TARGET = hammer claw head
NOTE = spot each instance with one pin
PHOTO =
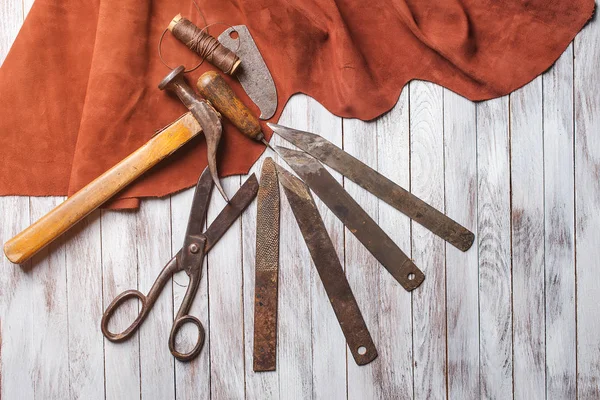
(211, 125)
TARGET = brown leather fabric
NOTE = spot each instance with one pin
(78, 90)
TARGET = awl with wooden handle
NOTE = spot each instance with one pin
(41, 233)
(215, 89)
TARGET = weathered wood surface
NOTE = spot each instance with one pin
(517, 316)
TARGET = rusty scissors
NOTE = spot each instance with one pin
(196, 244)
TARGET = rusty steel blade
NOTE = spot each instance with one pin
(253, 74)
(379, 185)
(329, 268)
(354, 217)
(195, 226)
(232, 210)
(266, 269)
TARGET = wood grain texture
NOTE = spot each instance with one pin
(28, 242)
(295, 353)
(428, 250)
(48, 296)
(120, 272)
(328, 342)
(362, 269)
(213, 87)
(462, 278)
(493, 235)
(83, 250)
(587, 208)
(226, 305)
(559, 238)
(10, 23)
(395, 304)
(527, 182)
(16, 313)
(152, 251)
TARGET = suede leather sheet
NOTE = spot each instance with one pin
(78, 89)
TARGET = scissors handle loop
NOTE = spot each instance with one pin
(183, 316)
(147, 303)
(177, 324)
(112, 307)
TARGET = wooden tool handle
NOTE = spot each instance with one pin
(215, 89)
(23, 246)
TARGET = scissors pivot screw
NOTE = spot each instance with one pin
(194, 248)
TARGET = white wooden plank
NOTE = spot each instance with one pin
(395, 303)
(462, 277)
(328, 342)
(428, 250)
(362, 269)
(84, 289)
(527, 182)
(120, 273)
(192, 379)
(15, 312)
(48, 295)
(225, 304)
(26, 7)
(153, 233)
(587, 208)
(559, 187)
(493, 235)
(259, 385)
(15, 308)
(11, 12)
(294, 353)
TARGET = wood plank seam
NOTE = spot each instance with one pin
(410, 227)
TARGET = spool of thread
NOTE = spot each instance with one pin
(205, 45)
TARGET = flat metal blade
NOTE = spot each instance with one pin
(266, 269)
(329, 268)
(354, 217)
(253, 73)
(379, 185)
(195, 225)
(238, 203)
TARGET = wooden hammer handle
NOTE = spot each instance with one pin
(23, 246)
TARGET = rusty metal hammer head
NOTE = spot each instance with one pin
(208, 118)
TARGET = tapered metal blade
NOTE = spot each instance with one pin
(231, 212)
(195, 225)
(329, 268)
(379, 185)
(354, 217)
(266, 269)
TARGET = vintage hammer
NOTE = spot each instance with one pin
(56, 222)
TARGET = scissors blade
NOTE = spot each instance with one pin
(195, 225)
(231, 212)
